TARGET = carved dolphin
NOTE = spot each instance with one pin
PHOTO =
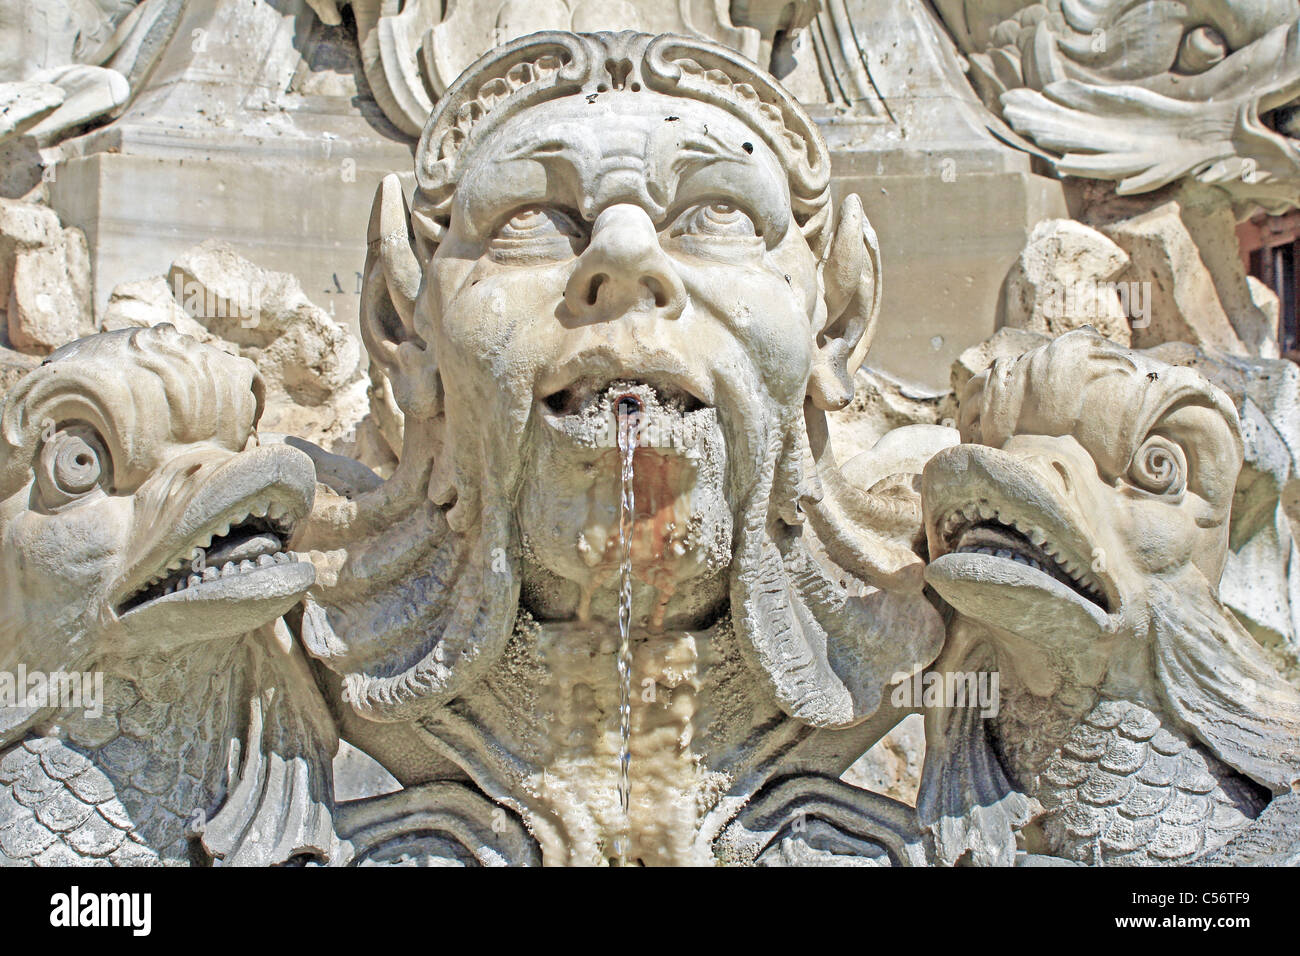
(126, 460)
(1079, 538)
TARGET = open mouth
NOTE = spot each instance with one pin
(1284, 120)
(234, 550)
(984, 530)
(579, 396)
(662, 414)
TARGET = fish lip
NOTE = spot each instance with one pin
(291, 580)
(957, 565)
(950, 518)
(279, 481)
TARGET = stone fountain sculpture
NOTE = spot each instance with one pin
(1145, 94)
(602, 219)
(618, 601)
(143, 540)
(412, 52)
(1080, 539)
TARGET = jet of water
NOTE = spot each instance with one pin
(629, 413)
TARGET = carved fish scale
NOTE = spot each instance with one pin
(123, 788)
(1117, 784)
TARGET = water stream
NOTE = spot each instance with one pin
(629, 414)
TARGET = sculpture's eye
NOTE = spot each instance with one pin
(1159, 467)
(73, 463)
(1201, 48)
(537, 232)
(718, 220)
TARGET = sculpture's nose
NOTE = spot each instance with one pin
(624, 269)
(1058, 461)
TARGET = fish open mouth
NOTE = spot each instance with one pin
(982, 529)
(1284, 120)
(236, 551)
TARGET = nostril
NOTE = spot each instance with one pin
(657, 290)
(593, 290)
(562, 402)
(1065, 475)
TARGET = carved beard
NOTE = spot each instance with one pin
(427, 600)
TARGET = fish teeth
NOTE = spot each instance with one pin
(259, 509)
(281, 558)
(265, 560)
(228, 568)
(192, 580)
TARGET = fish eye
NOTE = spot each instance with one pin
(1159, 467)
(73, 463)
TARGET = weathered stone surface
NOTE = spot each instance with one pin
(24, 226)
(882, 403)
(1065, 279)
(893, 766)
(13, 366)
(24, 103)
(1211, 221)
(295, 343)
(149, 302)
(1261, 335)
(380, 434)
(308, 362)
(1184, 303)
(49, 293)
(1004, 343)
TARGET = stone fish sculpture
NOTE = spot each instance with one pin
(1079, 539)
(119, 457)
(1145, 93)
(599, 220)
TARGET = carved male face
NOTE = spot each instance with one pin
(605, 222)
(626, 244)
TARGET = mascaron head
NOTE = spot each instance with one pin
(602, 214)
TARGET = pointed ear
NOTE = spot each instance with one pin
(850, 271)
(390, 286)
